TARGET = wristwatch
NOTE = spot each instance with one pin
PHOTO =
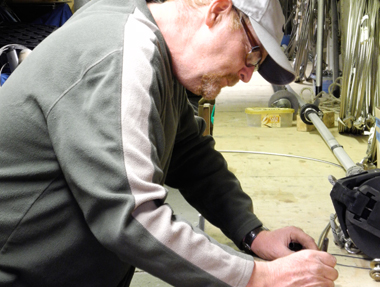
(248, 239)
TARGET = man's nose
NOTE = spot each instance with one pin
(245, 74)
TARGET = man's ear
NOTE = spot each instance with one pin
(216, 9)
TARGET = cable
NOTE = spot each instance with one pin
(351, 266)
(351, 256)
(278, 154)
(354, 257)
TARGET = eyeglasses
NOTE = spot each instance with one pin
(253, 58)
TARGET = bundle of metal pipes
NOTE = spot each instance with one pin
(360, 81)
(312, 19)
(301, 46)
(360, 84)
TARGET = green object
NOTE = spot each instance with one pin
(212, 114)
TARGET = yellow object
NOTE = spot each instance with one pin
(269, 117)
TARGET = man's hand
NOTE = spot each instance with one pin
(271, 245)
(305, 268)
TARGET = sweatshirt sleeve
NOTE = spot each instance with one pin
(201, 174)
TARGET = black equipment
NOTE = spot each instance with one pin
(356, 201)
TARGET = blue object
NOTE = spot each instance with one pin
(57, 17)
(4, 77)
(285, 40)
(327, 81)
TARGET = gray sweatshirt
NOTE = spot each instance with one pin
(93, 124)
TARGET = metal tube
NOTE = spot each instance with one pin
(333, 144)
(335, 39)
(320, 28)
(349, 166)
(277, 88)
(12, 59)
(335, 44)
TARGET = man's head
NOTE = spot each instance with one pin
(214, 43)
(267, 20)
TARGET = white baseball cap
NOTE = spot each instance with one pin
(267, 20)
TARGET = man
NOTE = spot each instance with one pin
(95, 122)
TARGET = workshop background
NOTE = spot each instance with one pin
(286, 144)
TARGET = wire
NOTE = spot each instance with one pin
(351, 256)
(352, 266)
(278, 154)
(354, 257)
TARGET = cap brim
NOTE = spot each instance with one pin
(276, 68)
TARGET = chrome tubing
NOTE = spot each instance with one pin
(335, 43)
(346, 162)
(360, 87)
(333, 144)
(320, 28)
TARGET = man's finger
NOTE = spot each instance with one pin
(327, 258)
(331, 273)
(302, 238)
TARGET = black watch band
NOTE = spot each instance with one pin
(248, 239)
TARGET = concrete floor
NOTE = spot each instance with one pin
(297, 190)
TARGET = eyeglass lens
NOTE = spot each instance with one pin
(253, 57)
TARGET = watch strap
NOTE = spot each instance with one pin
(251, 236)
